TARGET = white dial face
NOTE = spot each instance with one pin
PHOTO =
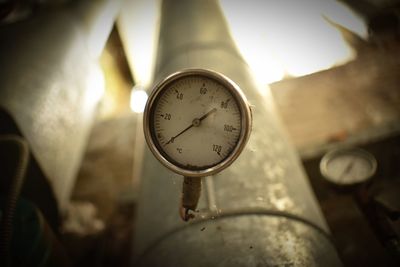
(196, 122)
(349, 167)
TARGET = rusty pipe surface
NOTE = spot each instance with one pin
(258, 212)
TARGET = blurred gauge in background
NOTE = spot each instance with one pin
(349, 166)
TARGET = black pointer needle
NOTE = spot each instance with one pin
(196, 122)
(207, 114)
(347, 169)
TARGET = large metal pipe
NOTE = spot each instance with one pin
(258, 212)
(49, 80)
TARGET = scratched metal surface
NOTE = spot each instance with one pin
(264, 193)
(243, 241)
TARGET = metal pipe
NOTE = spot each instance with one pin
(49, 85)
(263, 211)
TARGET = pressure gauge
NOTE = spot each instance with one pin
(350, 166)
(196, 122)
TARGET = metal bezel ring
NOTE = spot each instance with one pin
(245, 122)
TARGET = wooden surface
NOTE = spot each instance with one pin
(343, 102)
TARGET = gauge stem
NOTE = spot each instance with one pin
(191, 190)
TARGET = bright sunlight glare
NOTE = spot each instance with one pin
(95, 84)
(138, 100)
(138, 29)
(291, 37)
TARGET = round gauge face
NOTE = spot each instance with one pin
(348, 166)
(197, 122)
